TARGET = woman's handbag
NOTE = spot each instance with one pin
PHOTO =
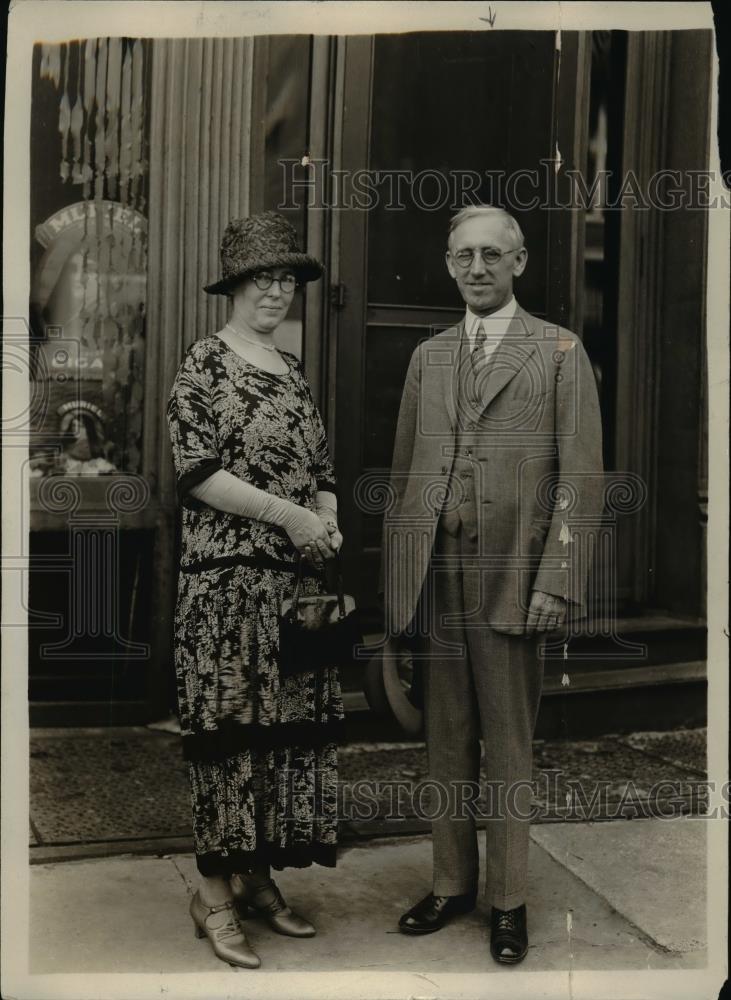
(318, 631)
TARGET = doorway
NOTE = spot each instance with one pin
(427, 125)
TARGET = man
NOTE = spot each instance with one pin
(496, 474)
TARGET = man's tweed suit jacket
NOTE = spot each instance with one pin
(529, 432)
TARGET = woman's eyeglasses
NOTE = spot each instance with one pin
(264, 280)
(490, 255)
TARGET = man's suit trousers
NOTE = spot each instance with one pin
(488, 688)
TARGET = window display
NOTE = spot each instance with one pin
(89, 254)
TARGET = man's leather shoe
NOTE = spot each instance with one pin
(433, 912)
(508, 935)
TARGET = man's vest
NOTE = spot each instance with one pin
(461, 507)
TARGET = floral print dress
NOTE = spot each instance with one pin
(261, 749)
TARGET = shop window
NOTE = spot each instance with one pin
(89, 153)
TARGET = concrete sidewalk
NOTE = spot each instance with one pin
(603, 896)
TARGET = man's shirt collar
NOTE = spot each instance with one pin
(495, 325)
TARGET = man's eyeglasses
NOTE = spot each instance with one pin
(490, 255)
(264, 280)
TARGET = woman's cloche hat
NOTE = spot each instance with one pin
(262, 240)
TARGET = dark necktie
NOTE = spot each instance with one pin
(477, 356)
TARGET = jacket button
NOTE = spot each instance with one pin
(444, 470)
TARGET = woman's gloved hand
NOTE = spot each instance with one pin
(326, 508)
(331, 526)
(308, 534)
(306, 530)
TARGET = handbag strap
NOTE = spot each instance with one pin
(339, 587)
(297, 588)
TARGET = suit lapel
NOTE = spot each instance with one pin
(508, 359)
(450, 371)
(511, 355)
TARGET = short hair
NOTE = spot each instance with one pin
(482, 211)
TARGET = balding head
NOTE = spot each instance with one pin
(510, 225)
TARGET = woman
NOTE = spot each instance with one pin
(258, 493)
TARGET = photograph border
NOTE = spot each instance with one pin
(31, 21)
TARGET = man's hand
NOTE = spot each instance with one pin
(546, 613)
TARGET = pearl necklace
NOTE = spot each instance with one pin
(256, 343)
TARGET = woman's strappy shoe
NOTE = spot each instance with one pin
(266, 901)
(221, 926)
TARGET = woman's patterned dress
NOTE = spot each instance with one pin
(262, 750)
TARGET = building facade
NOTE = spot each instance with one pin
(142, 149)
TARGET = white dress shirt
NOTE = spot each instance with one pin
(495, 326)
